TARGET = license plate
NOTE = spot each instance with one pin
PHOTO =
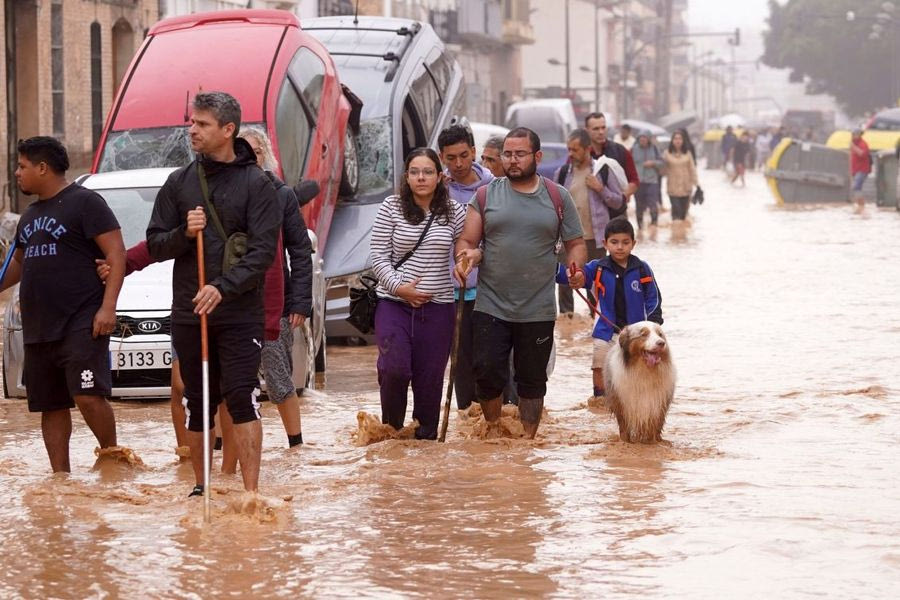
(140, 359)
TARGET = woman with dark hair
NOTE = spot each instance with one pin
(412, 236)
(688, 144)
(681, 177)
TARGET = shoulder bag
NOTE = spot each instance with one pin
(364, 300)
(236, 243)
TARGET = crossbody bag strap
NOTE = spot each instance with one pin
(204, 187)
(421, 237)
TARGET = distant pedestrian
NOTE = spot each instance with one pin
(776, 139)
(513, 239)
(463, 176)
(681, 178)
(688, 144)
(68, 314)
(729, 139)
(413, 234)
(236, 192)
(490, 156)
(592, 199)
(649, 165)
(763, 142)
(860, 166)
(625, 137)
(740, 156)
(595, 123)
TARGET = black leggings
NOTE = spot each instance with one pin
(679, 207)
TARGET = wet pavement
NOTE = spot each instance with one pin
(778, 478)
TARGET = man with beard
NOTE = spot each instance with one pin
(240, 199)
(518, 223)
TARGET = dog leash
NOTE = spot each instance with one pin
(590, 304)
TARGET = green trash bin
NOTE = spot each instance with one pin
(886, 179)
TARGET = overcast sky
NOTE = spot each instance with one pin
(727, 14)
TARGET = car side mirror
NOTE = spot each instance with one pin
(306, 190)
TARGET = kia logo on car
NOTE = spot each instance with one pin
(149, 326)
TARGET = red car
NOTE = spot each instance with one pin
(283, 78)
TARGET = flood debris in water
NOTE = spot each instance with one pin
(370, 430)
(119, 454)
(257, 507)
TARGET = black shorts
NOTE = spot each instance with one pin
(56, 372)
(531, 344)
(234, 353)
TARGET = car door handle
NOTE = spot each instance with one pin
(324, 149)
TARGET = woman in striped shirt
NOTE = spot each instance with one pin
(415, 317)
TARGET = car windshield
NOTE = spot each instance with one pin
(547, 123)
(886, 122)
(149, 148)
(376, 165)
(132, 207)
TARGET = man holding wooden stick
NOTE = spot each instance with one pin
(223, 196)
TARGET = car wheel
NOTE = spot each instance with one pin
(350, 170)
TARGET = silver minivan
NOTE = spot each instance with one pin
(411, 88)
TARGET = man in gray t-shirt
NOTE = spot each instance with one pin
(515, 307)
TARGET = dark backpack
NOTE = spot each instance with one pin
(604, 177)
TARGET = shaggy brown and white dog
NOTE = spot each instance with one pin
(640, 381)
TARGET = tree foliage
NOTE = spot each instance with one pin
(834, 55)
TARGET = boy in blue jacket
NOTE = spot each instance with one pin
(625, 289)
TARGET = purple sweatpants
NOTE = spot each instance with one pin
(413, 346)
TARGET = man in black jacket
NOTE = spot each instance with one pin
(245, 202)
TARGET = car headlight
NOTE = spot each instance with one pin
(14, 311)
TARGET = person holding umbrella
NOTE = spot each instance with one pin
(224, 185)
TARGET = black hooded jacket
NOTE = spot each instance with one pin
(297, 277)
(245, 201)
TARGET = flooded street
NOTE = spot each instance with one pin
(780, 479)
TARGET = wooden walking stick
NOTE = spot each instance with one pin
(454, 350)
(204, 355)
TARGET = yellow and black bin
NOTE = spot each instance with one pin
(808, 173)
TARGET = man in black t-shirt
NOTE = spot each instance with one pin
(67, 312)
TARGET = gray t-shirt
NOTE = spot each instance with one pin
(517, 277)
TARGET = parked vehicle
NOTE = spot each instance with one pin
(551, 118)
(882, 132)
(140, 350)
(285, 81)
(483, 131)
(283, 78)
(555, 155)
(411, 88)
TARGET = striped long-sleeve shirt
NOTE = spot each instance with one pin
(393, 236)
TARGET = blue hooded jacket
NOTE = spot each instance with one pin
(642, 297)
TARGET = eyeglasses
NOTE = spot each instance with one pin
(418, 172)
(519, 155)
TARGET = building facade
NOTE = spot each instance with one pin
(63, 61)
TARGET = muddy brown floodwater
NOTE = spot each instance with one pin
(779, 479)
